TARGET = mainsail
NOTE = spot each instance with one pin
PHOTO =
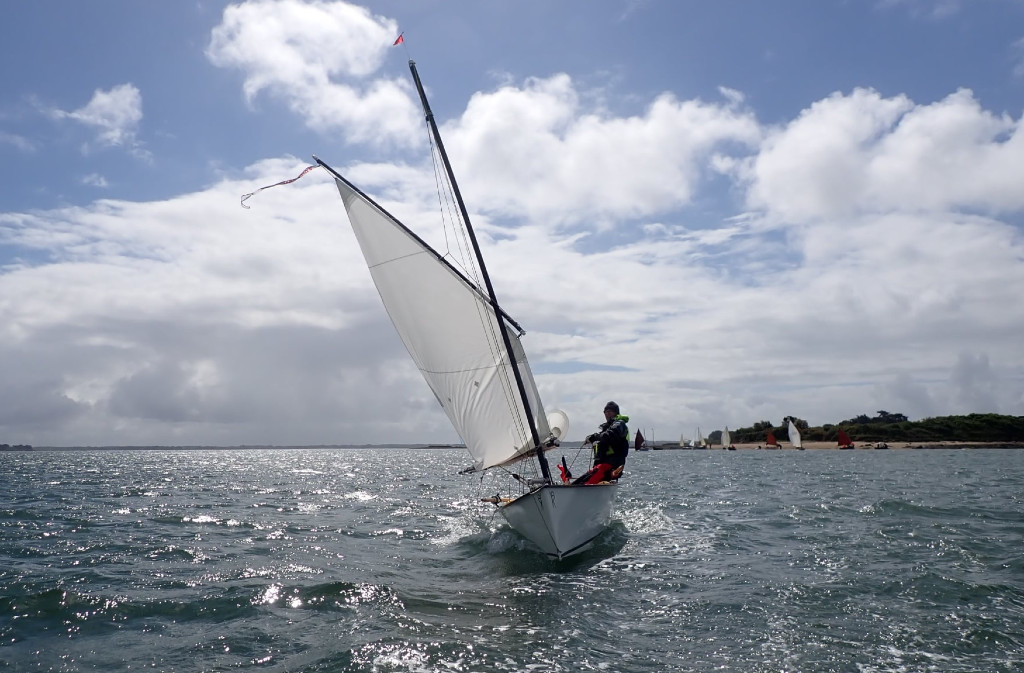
(450, 329)
(794, 436)
(726, 438)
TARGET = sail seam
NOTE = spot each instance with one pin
(457, 371)
(396, 259)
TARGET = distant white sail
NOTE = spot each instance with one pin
(726, 438)
(794, 436)
(449, 328)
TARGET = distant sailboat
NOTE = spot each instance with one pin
(794, 436)
(640, 444)
(844, 440)
(771, 442)
(727, 440)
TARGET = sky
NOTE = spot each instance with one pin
(713, 213)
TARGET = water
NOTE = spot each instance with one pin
(382, 560)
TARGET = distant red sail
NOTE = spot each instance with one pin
(639, 440)
(844, 439)
(771, 439)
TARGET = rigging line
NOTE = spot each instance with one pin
(468, 260)
(512, 478)
(442, 197)
(490, 328)
(446, 204)
(579, 450)
(504, 360)
(459, 229)
(520, 385)
(488, 325)
(468, 263)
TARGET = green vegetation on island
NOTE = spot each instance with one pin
(888, 427)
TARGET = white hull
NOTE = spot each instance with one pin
(562, 519)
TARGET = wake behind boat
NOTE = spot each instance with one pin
(469, 352)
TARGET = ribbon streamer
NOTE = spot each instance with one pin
(245, 197)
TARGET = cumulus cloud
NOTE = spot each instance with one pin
(569, 163)
(319, 59)
(177, 321)
(192, 321)
(869, 261)
(862, 153)
(115, 114)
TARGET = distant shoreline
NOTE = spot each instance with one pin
(243, 447)
(860, 446)
(814, 446)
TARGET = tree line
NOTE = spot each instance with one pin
(888, 427)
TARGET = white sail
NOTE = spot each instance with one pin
(726, 438)
(450, 329)
(794, 436)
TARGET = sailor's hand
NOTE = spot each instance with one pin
(592, 438)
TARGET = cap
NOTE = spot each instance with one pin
(611, 405)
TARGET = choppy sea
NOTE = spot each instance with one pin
(383, 560)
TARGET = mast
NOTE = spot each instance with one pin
(541, 458)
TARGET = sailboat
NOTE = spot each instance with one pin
(640, 444)
(794, 436)
(469, 351)
(844, 441)
(727, 440)
(771, 442)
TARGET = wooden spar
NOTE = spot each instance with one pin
(541, 458)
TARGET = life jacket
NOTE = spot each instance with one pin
(614, 448)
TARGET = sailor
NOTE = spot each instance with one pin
(611, 445)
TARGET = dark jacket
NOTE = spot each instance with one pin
(612, 442)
